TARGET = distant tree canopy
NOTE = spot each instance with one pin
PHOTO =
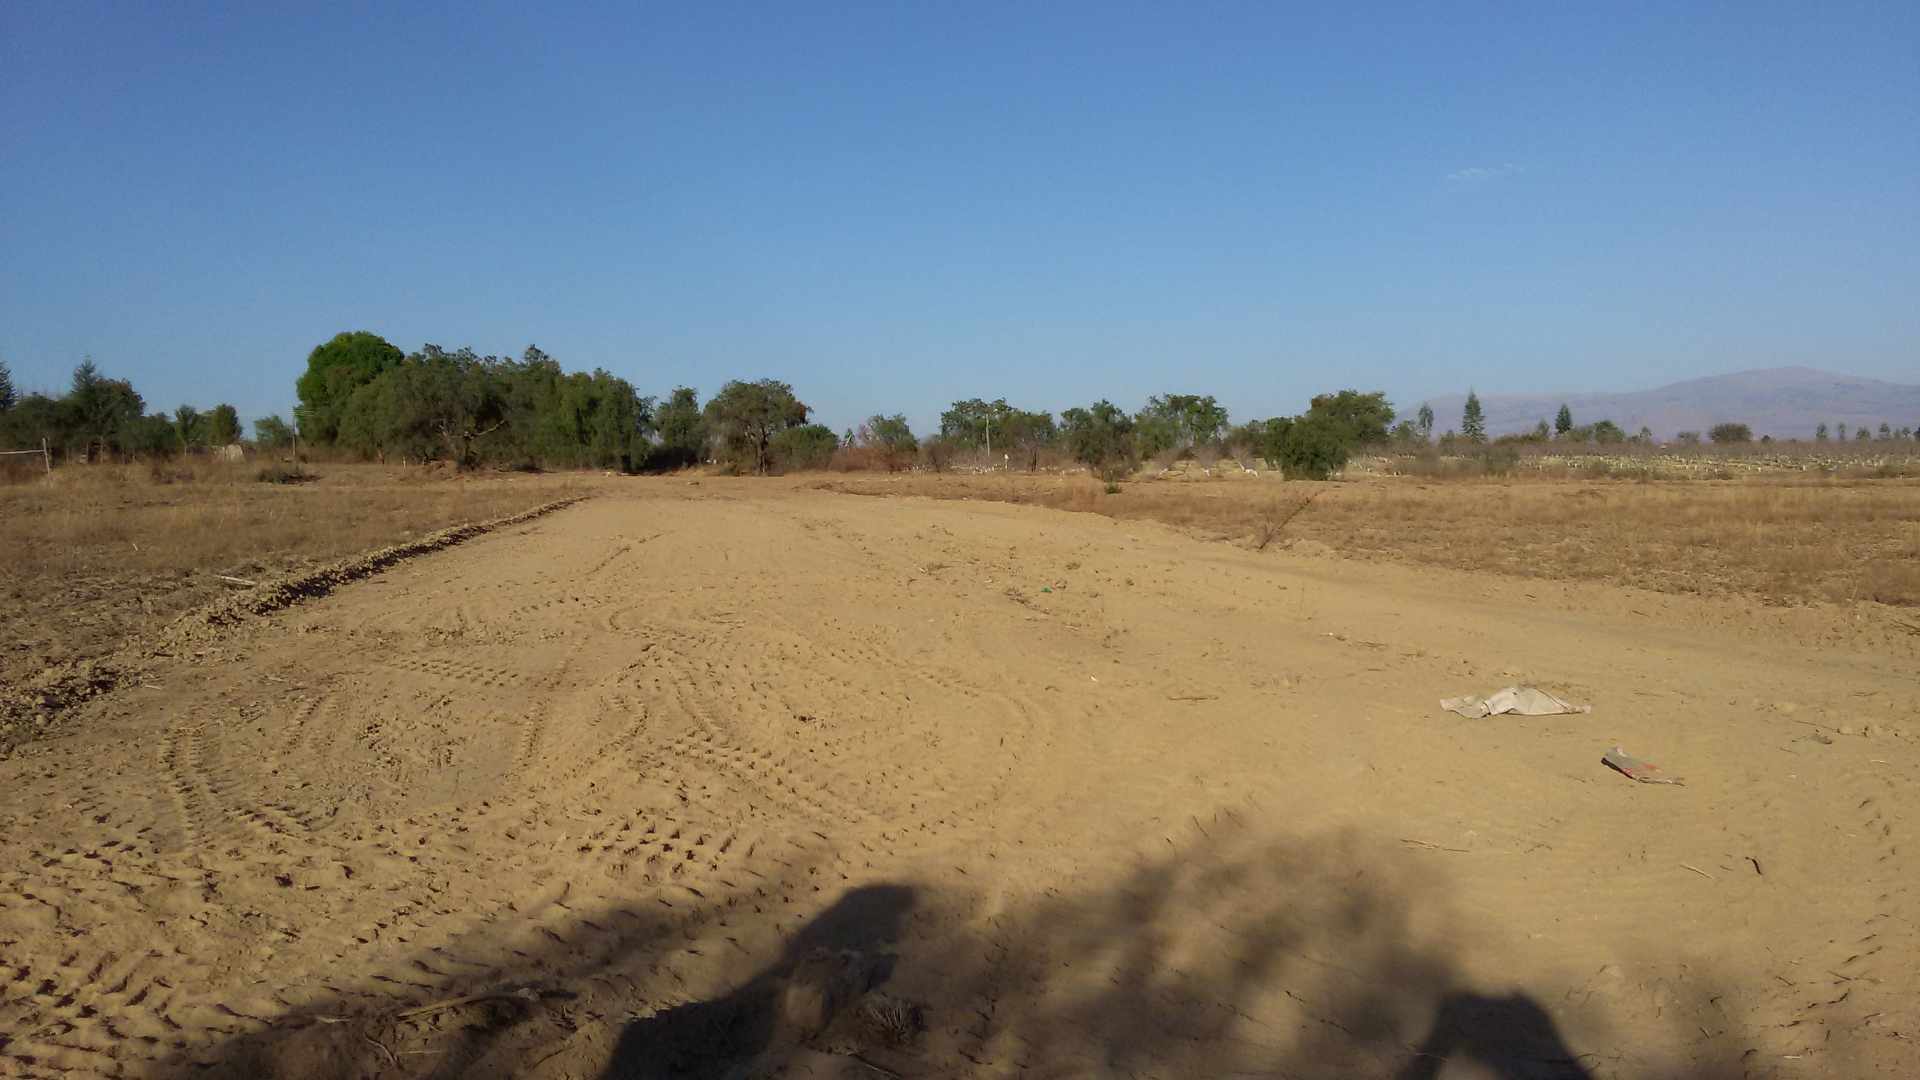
(1101, 437)
(1730, 433)
(892, 437)
(745, 417)
(1178, 423)
(1563, 422)
(1318, 443)
(8, 396)
(272, 432)
(1608, 433)
(1473, 420)
(469, 409)
(803, 446)
(1359, 419)
(223, 425)
(336, 370)
(682, 427)
(968, 425)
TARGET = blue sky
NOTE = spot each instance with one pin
(895, 205)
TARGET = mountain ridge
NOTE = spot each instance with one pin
(1784, 402)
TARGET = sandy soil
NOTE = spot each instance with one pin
(737, 779)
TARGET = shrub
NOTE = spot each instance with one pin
(808, 446)
(1313, 447)
(1730, 433)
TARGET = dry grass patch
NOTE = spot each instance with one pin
(96, 555)
(1785, 540)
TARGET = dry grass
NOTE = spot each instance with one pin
(116, 550)
(1783, 540)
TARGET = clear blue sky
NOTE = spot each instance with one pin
(895, 205)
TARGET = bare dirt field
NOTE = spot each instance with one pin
(745, 778)
(98, 555)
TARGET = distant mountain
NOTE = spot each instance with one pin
(1786, 403)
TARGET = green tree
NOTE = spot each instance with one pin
(1842, 429)
(223, 425)
(745, 416)
(1729, 433)
(336, 370)
(101, 408)
(1608, 433)
(151, 436)
(1540, 431)
(683, 431)
(8, 396)
(1473, 420)
(1563, 422)
(1101, 437)
(1820, 433)
(1178, 422)
(893, 438)
(1688, 438)
(1886, 430)
(803, 446)
(1312, 447)
(1426, 420)
(189, 427)
(1862, 434)
(1359, 419)
(272, 432)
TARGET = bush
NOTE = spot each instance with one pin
(1500, 460)
(808, 446)
(1313, 447)
(282, 474)
(1730, 433)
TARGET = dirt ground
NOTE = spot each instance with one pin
(743, 779)
(99, 554)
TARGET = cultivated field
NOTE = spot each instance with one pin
(752, 778)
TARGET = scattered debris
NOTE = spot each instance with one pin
(1646, 772)
(1756, 867)
(242, 582)
(1522, 700)
(1697, 870)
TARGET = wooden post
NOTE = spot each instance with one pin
(46, 454)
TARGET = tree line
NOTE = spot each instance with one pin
(99, 415)
(361, 396)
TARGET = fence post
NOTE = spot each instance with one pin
(46, 454)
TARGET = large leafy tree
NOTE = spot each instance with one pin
(102, 408)
(336, 371)
(223, 425)
(189, 427)
(1563, 422)
(682, 428)
(745, 417)
(1179, 422)
(893, 437)
(1100, 436)
(272, 432)
(1359, 419)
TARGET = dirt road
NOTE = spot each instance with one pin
(675, 770)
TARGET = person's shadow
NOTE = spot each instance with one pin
(831, 962)
(1511, 1036)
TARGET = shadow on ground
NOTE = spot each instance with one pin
(1229, 956)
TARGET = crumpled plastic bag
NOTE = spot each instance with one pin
(1521, 700)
